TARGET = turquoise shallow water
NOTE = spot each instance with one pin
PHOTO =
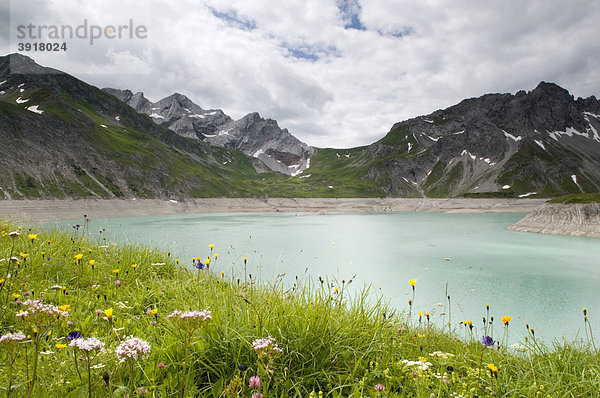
(540, 280)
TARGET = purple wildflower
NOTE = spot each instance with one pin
(379, 387)
(73, 335)
(487, 341)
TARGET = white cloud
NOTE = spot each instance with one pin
(294, 61)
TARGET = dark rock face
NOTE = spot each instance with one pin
(257, 137)
(541, 142)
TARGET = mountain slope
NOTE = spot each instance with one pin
(61, 137)
(261, 138)
(64, 138)
(543, 142)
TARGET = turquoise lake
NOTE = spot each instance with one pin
(540, 280)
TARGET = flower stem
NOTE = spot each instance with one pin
(89, 375)
(35, 366)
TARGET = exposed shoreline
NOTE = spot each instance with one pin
(562, 219)
(51, 210)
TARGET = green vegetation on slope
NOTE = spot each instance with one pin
(580, 198)
(308, 339)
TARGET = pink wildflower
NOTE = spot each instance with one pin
(133, 348)
(201, 315)
(266, 347)
(254, 382)
(379, 387)
(257, 395)
(19, 336)
(88, 344)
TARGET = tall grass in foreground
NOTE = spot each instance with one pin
(117, 321)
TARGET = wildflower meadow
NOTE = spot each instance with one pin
(83, 317)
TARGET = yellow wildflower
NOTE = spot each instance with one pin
(422, 359)
(506, 319)
(116, 271)
(211, 246)
(65, 307)
(78, 257)
(24, 255)
(154, 311)
(177, 260)
(412, 282)
(92, 262)
(108, 313)
(470, 322)
(134, 266)
(32, 236)
(208, 261)
(492, 367)
(16, 295)
(216, 255)
(60, 346)
(421, 335)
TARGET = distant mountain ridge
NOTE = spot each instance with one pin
(261, 138)
(541, 142)
(63, 138)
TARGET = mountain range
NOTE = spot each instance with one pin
(63, 138)
(261, 138)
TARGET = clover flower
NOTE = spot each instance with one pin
(379, 387)
(132, 348)
(88, 344)
(254, 382)
(257, 395)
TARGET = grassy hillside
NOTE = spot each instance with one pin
(577, 198)
(246, 337)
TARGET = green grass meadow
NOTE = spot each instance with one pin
(122, 320)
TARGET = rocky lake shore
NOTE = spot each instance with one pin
(562, 219)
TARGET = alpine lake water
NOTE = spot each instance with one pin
(540, 280)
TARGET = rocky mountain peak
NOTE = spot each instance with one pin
(253, 135)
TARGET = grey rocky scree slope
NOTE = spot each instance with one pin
(542, 142)
(261, 138)
(562, 219)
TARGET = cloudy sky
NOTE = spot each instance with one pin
(336, 73)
